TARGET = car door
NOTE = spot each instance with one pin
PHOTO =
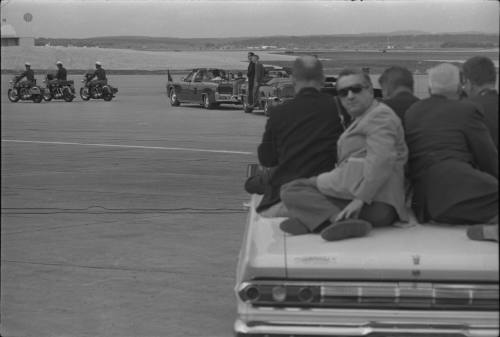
(197, 85)
(183, 94)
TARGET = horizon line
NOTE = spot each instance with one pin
(397, 33)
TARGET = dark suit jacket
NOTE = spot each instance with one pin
(488, 101)
(251, 72)
(61, 74)
(453, 161)
(300, 141)
(259, 72)
(401, 103)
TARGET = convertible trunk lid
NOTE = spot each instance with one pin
(427, 252)
(410, 252)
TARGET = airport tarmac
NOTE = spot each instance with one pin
(122, 218)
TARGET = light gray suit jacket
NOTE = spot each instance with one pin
(372, 154)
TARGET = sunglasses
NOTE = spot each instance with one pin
(355, 89)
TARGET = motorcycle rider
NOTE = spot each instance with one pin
(100, 74)
(30, 77)
(61, 74)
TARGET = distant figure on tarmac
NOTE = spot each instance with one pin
(453, 163)
(100, 74)
(397, 89)
(251, 77)
(28, 74)
(300, 138)
(258, 79)
(366, 187)
(479, 79)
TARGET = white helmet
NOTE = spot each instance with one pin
(59, 62)
(98, 63)
(27, 64)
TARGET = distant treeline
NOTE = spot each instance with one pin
(358, 41)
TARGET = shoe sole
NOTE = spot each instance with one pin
(344, 229)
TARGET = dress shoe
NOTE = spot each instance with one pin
(343, 229)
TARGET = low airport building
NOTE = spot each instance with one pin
(9, 37)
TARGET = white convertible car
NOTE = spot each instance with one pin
(416, 280)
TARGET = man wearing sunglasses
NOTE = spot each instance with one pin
(366, 188)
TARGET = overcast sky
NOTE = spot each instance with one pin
(233, 18)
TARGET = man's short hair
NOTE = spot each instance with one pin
(395, 77)
(444, 78)
(250, 53)
(308, 68)
(351, 71)
(480, 70)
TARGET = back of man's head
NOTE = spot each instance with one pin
(394, 78)
(444, 79)
(480, 70)
(308, 70)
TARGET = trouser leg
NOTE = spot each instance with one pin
(312, 208)
(308, 205)
(473, 211)
(255, 95)
(379, 214)
(250, 94)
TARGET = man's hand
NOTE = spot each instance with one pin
(351, 210)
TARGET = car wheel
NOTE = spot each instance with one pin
(247, 108)
(37, 98)
(13, 95)
(266, 108)
(67, 95)
(173, 98)
(84, 93)
(47, 95)
(207, 104)
(106, 93)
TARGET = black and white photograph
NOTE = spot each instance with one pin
(249, 168)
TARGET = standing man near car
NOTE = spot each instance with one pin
(250, 76)
(258, 79)
(300, 138)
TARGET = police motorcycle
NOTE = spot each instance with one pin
(20, 91)
(61, 90)
(106, 91)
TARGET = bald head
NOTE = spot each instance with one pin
(308, 71)
(444, 79)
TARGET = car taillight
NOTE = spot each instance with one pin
(280, 294)
(403, 295)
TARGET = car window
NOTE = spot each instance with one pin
(189, 77)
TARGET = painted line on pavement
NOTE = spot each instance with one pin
(128, 146)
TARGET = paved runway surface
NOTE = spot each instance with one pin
(122, 218)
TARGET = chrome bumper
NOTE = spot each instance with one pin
(227, 98)
(335, 322)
